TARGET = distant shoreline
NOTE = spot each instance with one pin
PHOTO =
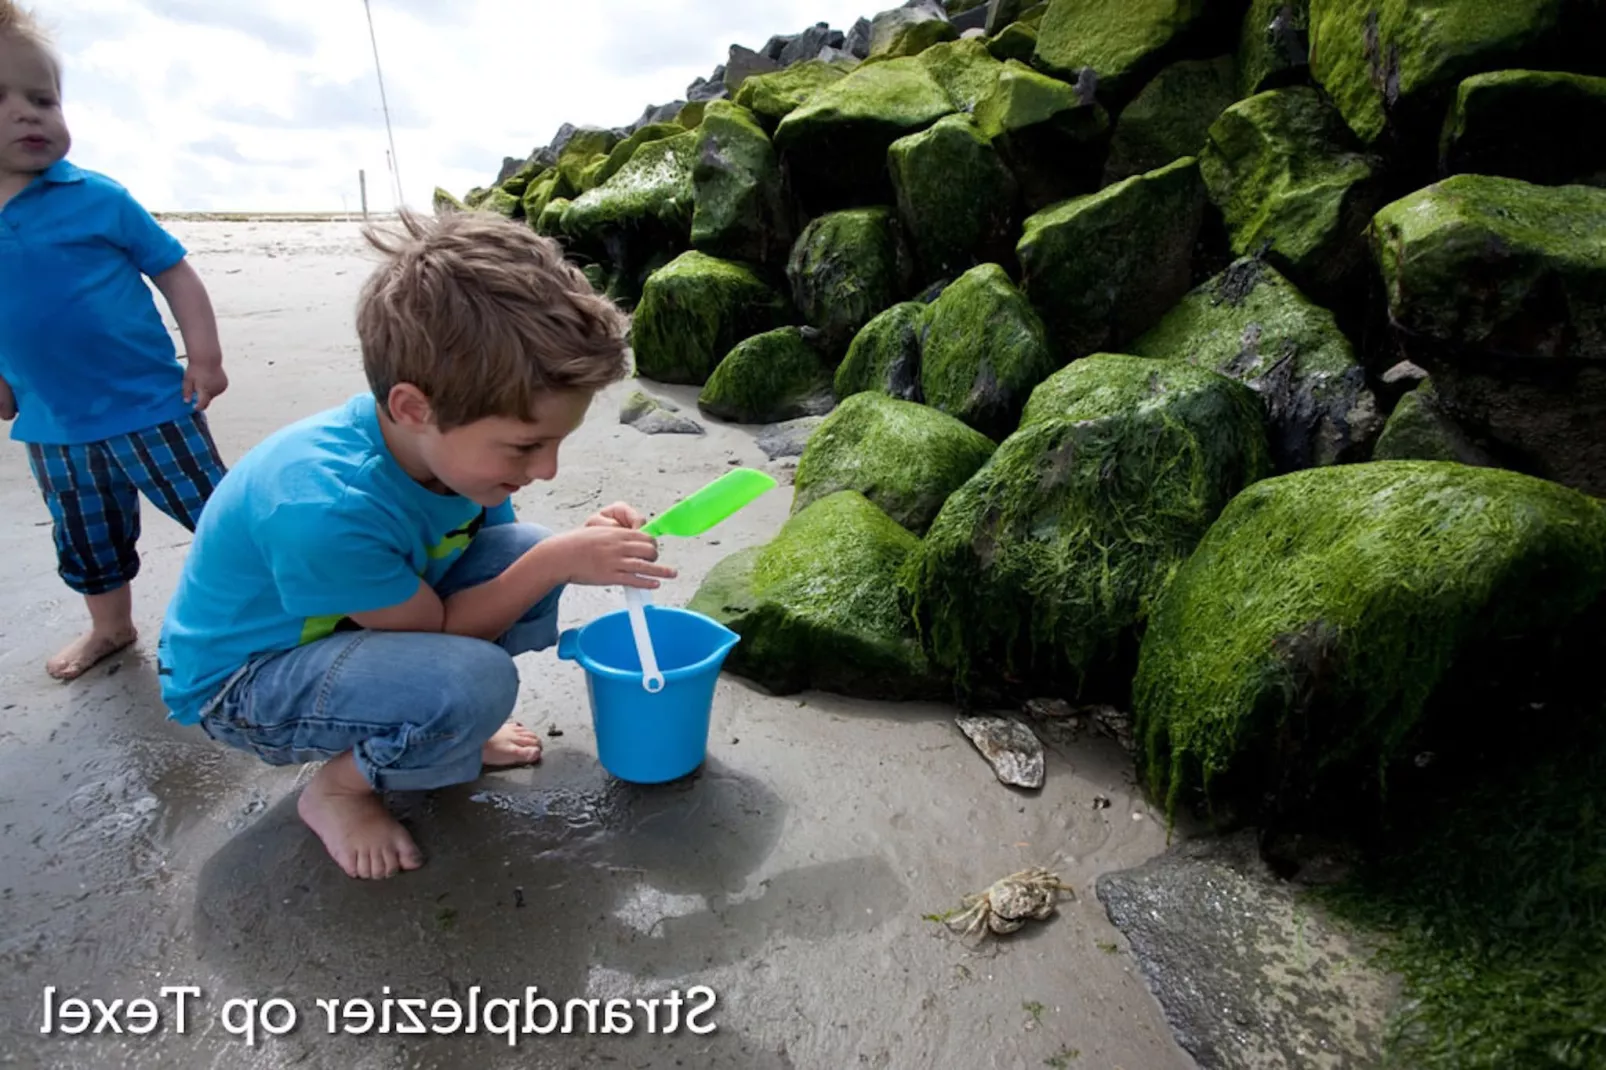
(269, 217)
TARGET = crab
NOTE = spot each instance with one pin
(1005, 906)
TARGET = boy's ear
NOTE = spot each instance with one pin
(410, 407)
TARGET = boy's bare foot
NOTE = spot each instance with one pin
(356, 829)
(89, 650)
(512, 745)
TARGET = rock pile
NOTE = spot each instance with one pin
(1107, 308)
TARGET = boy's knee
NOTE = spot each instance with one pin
(484, 682)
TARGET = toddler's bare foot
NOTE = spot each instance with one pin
(513, 744)
(89, 650)
(356, 829)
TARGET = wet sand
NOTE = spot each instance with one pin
(790, 876)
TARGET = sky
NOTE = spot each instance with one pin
(274, 105)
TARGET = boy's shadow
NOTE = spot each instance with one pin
(560, 877)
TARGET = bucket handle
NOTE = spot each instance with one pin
(569, 644)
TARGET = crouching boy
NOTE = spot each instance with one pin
(358, 585)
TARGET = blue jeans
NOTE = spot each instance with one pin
(415, 707)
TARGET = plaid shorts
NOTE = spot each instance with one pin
(92, 490)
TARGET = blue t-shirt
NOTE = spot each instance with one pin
(315, 523)
(81, 341)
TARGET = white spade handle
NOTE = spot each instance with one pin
(635, 602)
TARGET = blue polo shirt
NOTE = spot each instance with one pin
(82, 343)
(316, 522)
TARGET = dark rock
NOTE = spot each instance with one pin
(704, 90)
(743, 64)
(1248, 973)
(1420, 430)
(857, 42)
(660, 113)
(910, 30)
(1000, 13)
(1544, 127)
(973, 19)
(652, 416)
(510, 167)
(775, 47)
(807, 45)
(788, 438)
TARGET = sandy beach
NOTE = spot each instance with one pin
(793, 876)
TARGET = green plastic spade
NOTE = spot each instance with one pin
(690, 516)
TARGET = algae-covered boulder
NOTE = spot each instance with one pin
(817, 607)
(1074, 525)
(909, 30)
(1171, 117)
(544, 191)
(1252, 324)
(1532, 125)
(444, 202)
(1419, 430)
(844, 269)
(691, 116)
(1103, 268)
(1498, 288)
(835, 144)
(1274, 47)
(772, 97)
(642, 209)
(955, 197)
(1048, 133)
(966, 70)
(985, 350)
(693, 311)
(623, 152)
(1123, 41)
(904, 457)
(581, 152)
(1302, 643)
(885, 354)
(1286, 173)
(549, 221)
(768, 378)
(740, 212)
(503, 204)
(1016, 42)
(1394, 63)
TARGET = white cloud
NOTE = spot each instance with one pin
(274, 104)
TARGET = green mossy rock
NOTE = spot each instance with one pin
(1493, 266)
(835, 145)
(1303, 641)
(643, 210)
(904, 457)
(1171, 117)
(1104, 268)
(885, 354)
(965, 69)
(1017, 42)
(476, 197)
(1419, 430)
(503, 204)
(580, 153)
(1274, 47)
(597, 276)
(772, 97)
(844, 269)
(908, 31)
(1395, 63)
(544, 191)
(593, 174)
(694, 311)
(1253, 325)
(1498, 288)
(444, 202)
(768, 378)
(740, 211)
(1080, 517)
(1543, 127)
(625, 151)
(985, 349)
(691, 116)
(817, 607)
(520, 180)
(1284, 170)
(956, 198)
(1124, 41)
(549, 221)
(1050, 135)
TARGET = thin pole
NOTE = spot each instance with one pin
(362, 185)
(395, 168)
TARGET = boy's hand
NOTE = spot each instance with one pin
(609, 554)
(617, 515)
(203, 381)
(8, 402)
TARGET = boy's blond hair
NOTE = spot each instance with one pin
(19, 24)
(484, 316)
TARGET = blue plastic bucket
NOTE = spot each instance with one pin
(642, 737)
